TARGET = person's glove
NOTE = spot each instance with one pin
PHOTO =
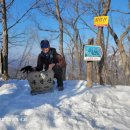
(26, 69)
(51, 66)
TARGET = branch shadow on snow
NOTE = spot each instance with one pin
(18, 98)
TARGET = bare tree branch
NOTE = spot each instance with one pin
(46, 30)
(115, 51)
(17, 35)
(88, 26)
(24, 15)
(9, 5)
(106, 7)
(120, 11)
(125, 33)
(113, 34)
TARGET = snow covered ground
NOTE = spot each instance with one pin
(75, 108)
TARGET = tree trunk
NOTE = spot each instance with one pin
(60, 21)
(89, 68)
(77, 52)
(72, 64)
(78, 61)
(72, 69)
(5, 42)
(100, 41)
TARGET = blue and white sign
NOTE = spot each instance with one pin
(92, 53)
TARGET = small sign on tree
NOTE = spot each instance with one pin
(101, 21)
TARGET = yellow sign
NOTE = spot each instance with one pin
(101, 21)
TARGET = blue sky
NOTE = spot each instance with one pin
(121, 5)
(21, 6)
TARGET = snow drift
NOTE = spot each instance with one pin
(75, 108)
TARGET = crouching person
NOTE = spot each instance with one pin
(49, 59)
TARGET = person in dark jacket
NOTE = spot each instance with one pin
(49, 59)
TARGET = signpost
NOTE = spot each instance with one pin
(92, 53)
(100, 21)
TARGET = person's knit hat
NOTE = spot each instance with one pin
(45, 44)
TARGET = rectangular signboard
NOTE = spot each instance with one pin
(92, 53)
(101, 21)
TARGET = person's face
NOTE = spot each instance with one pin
(45, 50)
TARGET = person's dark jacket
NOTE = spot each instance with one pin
(52, 57)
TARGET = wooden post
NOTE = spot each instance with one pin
(89, 68)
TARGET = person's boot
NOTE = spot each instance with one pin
(60, 88)
(60, 85)
(33, 92)
(53, 82)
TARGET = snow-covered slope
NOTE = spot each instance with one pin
(75, 108)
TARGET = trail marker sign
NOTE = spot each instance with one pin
(100, 21)
(92, 53)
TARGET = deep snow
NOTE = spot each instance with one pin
(75, 108)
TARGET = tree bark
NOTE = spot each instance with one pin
(5, 42)
(100, 41)
(60, 21)
(77, 51)
(71, 53)
(89, 68)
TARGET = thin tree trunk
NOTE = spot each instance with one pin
(72, 68)
(77, 51)
(106, 67)
(5, 42)
(60, 21)
(78, 61)
(72, 64)
(80, 55)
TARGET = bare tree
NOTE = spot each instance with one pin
(124, 57)
(60, 21)
(100, 40)
(72, 22)
(5, 42)
(71, 61)
(75, 40)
